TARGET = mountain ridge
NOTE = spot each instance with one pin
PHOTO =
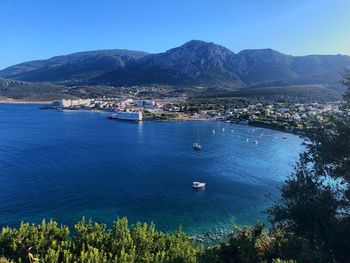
(195, 63)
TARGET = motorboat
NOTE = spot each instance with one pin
(198, 185)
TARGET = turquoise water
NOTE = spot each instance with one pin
(69, 164)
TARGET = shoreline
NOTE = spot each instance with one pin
(13, 101)
(182, 118)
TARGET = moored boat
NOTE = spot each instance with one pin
(198, 185)
(197, 146)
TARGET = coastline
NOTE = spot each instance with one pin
(14, 101)
(177, 119)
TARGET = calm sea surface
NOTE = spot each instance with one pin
(69, 164)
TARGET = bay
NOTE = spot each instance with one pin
(69, 164)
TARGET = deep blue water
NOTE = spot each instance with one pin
(69, 164)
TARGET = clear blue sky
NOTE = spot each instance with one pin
(38, 29)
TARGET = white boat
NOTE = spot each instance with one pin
(213, 132)
(198, 185)
(197, 146)
(255, 142)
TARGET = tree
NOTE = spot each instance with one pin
(315, 201)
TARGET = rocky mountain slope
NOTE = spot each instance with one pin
(74, 67)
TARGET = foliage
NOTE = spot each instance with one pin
(253, 244)
(4, 260)
(93, 242)
(315, 203)
(283, 94)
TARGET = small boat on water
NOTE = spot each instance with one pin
(198, 185)
(213, 132)
(255, 142)
(284, 137)
(197, 146)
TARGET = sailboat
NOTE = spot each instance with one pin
(196, 145)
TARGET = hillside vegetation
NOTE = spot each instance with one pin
(32, 91)
(94, 242)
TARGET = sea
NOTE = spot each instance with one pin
(65, 165)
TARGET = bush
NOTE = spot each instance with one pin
(93, 242)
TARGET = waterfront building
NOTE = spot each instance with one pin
(69, 103)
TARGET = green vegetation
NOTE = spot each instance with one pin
(33, 91)
(283, 94)
(218, 104)
(94, 242)
(152, 116)
(315, 202)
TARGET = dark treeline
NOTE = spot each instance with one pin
(311, 222)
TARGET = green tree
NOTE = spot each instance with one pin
(315, 201)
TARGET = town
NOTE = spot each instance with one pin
(292, 117)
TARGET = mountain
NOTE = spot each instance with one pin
(196, 63)
(263, 65)
(74, 67)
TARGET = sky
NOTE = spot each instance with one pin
(39, 29)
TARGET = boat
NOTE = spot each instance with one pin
(197, 146)
(213, 132)
(255, 142)
(284, 137)
(198, 185)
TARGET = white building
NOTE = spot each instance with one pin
(296, 117)
(70, 103)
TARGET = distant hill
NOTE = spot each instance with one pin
(80, 66)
